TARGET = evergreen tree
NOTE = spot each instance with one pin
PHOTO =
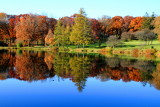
(62, 34)
(147, 21)
(81, 31)
(59, 33)
(67, 33)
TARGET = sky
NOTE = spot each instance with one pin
(93, 8)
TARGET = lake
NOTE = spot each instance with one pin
(50, 79)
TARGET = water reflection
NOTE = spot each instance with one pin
(34, 66)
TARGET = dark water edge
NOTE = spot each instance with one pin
(31, 78)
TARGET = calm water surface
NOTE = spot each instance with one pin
(46, 79)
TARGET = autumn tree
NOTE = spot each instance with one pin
(67, 21)
(4, 26)
(23, 30)
(97, 34)
(49, 39)
(103, 29)
(95, 27)
(4, 30)
(31, 28)
(7, 25)
(105, 25)
(81, 31)
(117, 25)
(127, 21)
(3, 16)
(12, 22)
(51, 23)
(136, 24)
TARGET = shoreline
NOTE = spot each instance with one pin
(149, 53)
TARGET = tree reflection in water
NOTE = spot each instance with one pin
(34, 66)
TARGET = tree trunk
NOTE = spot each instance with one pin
(28, 43)
(10, 42)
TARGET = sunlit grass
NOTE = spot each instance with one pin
(139, 44)
(125, 45)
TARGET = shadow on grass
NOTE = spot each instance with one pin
(126, 46)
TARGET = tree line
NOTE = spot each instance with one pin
(78, 29)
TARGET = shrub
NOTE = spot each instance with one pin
(127, 36)
(113, 41)
(146, 35)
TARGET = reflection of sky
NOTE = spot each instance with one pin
(64, 93)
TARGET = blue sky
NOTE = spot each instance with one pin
(94, 8)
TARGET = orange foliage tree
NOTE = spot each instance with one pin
(136, 23)
(117, 25)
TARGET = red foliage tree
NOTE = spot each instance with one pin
(127, 21)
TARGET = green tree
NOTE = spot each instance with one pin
(81, 31)
(59, 33)
(156, 24)
(62, 34)
(66, 36)
(147, 21)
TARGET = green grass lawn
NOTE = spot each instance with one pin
(139, 44)
(90, 46)
(126, 45)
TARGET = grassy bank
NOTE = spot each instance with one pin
(39, 48)
(136, 49)
(131, 48)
